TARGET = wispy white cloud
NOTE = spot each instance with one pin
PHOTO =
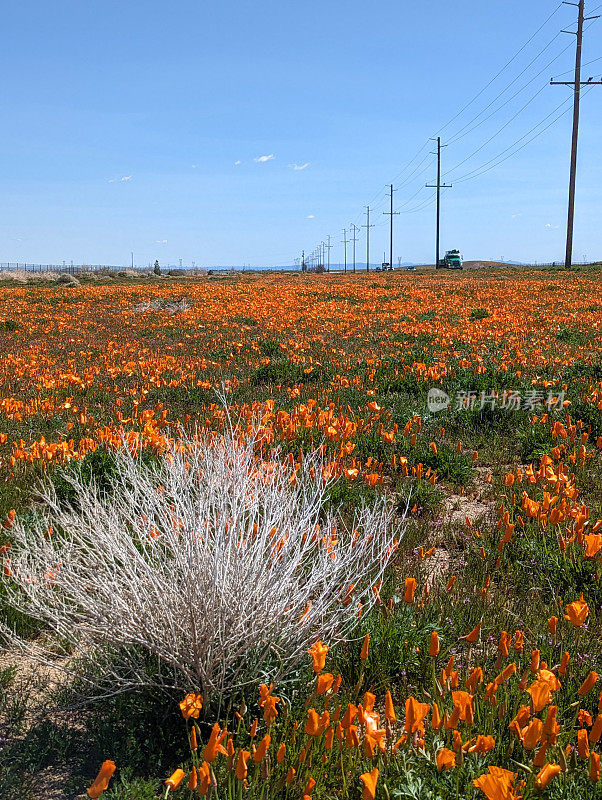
(194, 166)
(160, 241)
(236, 163)
(300, 166)
(121, 180)
(310, 216)
(263, 159)
(551, 227)
(514, 216)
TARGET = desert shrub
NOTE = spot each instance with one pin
(211, 565)
(478, 313)
(9, 325)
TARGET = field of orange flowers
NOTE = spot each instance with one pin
(477, 673)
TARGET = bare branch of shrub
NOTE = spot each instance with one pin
(218, 566)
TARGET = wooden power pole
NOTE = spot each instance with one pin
(367, 226)
(576, 85)
(438, 186)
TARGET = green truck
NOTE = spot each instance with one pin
(452, 260)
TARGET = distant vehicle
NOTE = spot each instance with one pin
(452, 260)
(411, 267)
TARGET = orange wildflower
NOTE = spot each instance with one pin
(410, 590)
(318, 653)
(214, 745)
(463, 705)
(415, 714)
(390, 715)
(175, 779)
(434, 646)
(365, 646)
(446, 759)
(498, 784)
(241, 764)
(473, 635)
(588, 684)
(369, 780)
(191, 706)
(312, 725)
(576, 612)
(262, 749)
(546, 775)
(582, 743)
(101, 782)
(324, 682)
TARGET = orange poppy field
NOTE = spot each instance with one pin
(472, 401)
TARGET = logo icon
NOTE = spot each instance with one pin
(437, 400)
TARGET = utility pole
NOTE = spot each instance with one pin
(576, 84)
(367, 226)
(132, 261)
(328, 247)
(354, 240)
(391, 214)
(345, 243)
(303, 264)
(438, 186)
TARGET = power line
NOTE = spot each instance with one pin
(497, 133)
(502, 70)
(481, 171)
(460, 134)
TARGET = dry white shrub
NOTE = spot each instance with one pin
(220, 567)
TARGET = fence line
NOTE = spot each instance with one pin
(13, 266)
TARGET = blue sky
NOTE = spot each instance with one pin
(137, 126)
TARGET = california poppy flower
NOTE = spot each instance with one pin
(191, 706)
(214, 745)
(498, 784)
(545, 775)
(101, 781)
(390, 715)
(204, 778)
(262, 749)
(312, 724)
(318, 653)
(577, 612)
(269, 709)
(365, 646)
(482, 744)
(531, 735)
(473, 635)
(588, 684)
(446, 759)
(415, 714)
(434, 645)
(410, 590)
(463, 704)
(175, 779)
(596, 731)
(324, 682)
(194, 779)
(369, 780)
(241, 764)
